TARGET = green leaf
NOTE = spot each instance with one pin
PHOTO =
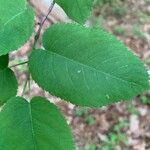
(6, 16)
(16, 24)
(88, 67)
(3, 61)
(8, 85)
(8, 81)
(37, 125)
(77, 10)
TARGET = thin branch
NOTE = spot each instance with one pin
(29, 85)
(24, 87)
(42, 23)
(22, 63)
(36, 38)
(27, 82)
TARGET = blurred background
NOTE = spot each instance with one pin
(122, 126)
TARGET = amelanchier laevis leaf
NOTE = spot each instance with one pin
(4, 61)
(16, 24)
(8, 81)
(88, 67)
(78, 10)
(37, 125)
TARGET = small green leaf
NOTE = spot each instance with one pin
(8, 85)
(16, 25)
(37, 125)
(77, 10)
(3, 61)
(8, 81)
(88, 67)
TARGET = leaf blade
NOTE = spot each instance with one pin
(77, 10)
(3, 61)
(15, 27)
(8, 85)
(8, 81)
(15, 9)
(36, 125)
(82, 69)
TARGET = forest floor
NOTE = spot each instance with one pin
(122, 126)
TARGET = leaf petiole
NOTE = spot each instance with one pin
(22, 63)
